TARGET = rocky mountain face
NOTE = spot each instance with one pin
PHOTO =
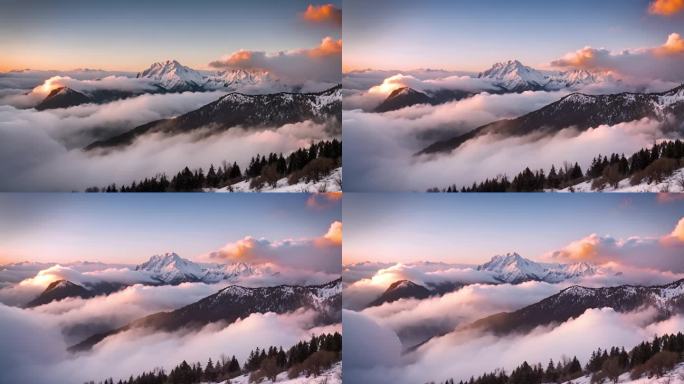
(574, 301)
(235, 302)
(582, 112)
(238, 109)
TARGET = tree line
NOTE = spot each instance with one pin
(651, 358)
(650, 164)
(308, 164)
(309, 358)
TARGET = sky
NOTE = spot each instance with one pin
(129, 35)
(471, 35)
(129, 228)
(471, 228)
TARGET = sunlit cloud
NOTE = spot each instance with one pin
(325, 200)
(326, 13)
(319, 254)
(334, 234)
(666, 7)
(664, 253)
(664, 62)
(320, 63)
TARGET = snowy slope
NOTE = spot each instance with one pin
(331, 376)
(170, 268)
(674, 183)
(513, 268)
(330, 183)
(675, 376)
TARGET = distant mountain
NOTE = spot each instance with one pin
(406, 97)
(580, 111)
(240, 79)
(62, 97)
(402, 289)
(238, 109)
(403, 97)
(235, 302)
(170, 268)
(514, 269)
(574, 301)
(513, 76)
(59, 290)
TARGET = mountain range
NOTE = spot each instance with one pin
(513, 76)
(506, 77)
(238, 109)
(235, 302)
(510, 268)
(169, 268)
(666, 300)
(580, 111)
(172, 77)
(571, 302)
(165, 269)
(175, 77)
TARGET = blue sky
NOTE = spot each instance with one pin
(132, 227)
(470, 228)
(473, 34)
(131, 34)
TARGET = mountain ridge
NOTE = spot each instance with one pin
(239, 109)
(235, 302)
(580, 111)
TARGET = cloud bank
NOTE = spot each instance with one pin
(666, 7)
(55, 162)
(322, 254)
(321, 63)
(379, 154)
(36, 349)
(664, 62)
(664, 253)
(326, 13)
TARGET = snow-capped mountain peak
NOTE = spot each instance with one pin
(513, 268)
(172, 75)
(514, 76)
(169, 268)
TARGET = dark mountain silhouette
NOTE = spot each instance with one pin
(402, 289)
(59, 290)
(62, 97)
